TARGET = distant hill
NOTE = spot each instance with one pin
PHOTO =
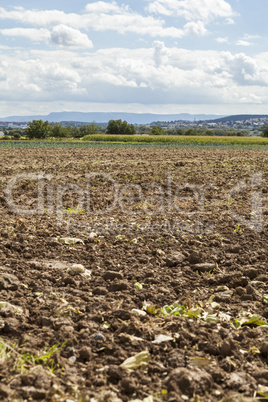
(101, 117)
(239, 117)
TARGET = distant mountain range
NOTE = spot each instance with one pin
(132, 118)
(101, 117)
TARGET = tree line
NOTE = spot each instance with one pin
(43, 129)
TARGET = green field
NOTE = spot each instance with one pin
(142, 141)
(181, 140)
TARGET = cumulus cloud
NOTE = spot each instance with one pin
(195, 28)
(68, 37)
(164, 74)
(203, 10)
(160, 54)
(60, 35)
(43, 78)
(103, 16)
(244, 69)
(172, 69)
(159, 73)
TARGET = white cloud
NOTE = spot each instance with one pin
(195, 28)
(60, 35)
(65, 36)
(3, 74)
(204, 10)
(173, 73)
(229, 21)
(164, 74)
(248, 37)
(44, 18)
(222, 40)
(251, 98)
(244, 69)
(33, 34)
(247, 40)
(160, 54)
(52, 76)
(113, 78)
(243, 42)
(103, 7)
(61, 70)
(102, 16)
(22, 86)
(238, 95)
(29, 77)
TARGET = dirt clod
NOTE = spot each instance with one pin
(111, 275)
(189, 382)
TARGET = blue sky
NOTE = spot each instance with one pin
(168, 56)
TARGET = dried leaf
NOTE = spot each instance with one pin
(69, 240)
(140, 312)
(162, 338)
(138, 361)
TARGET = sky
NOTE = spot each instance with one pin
(143, 56)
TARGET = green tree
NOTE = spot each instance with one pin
(75, 132)
(38, 129)
(264, 131)
(57, 130)
(94, 128)
(86, 129)
(190, 131)
(91, 128)
(170, 131)
(179, 131)
(120, 127)
(16, 136)
(209, 132)
(69, 130)
(143, 129)
(157, 130)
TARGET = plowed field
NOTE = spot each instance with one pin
(133, 274)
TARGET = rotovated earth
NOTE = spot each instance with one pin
(133, 274)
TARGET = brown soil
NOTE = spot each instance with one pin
(64, 333)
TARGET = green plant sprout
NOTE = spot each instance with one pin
(237, 229)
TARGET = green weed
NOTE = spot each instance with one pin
(74, 211)
(237, 229)
(22, 362)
